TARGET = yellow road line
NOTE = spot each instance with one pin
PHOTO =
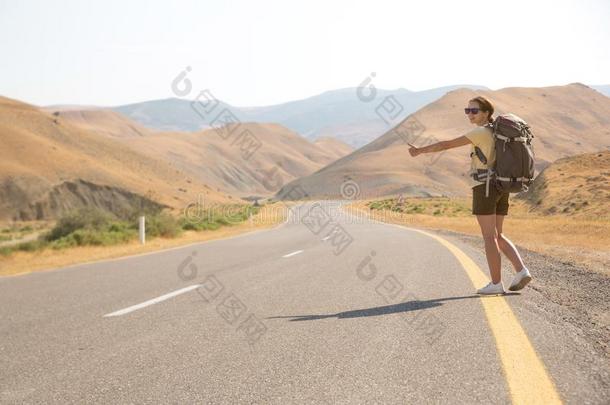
(527, 378)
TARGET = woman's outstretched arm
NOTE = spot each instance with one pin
(439, 146)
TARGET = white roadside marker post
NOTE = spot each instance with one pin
(142, 228)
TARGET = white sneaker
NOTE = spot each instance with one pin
(521, 279)
(492, 289)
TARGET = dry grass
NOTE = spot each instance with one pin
(584, 241)
(13, 233)
(26, 262)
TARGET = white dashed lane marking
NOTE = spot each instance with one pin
(152, 301)
(293, 253)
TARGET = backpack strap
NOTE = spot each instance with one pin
(484, 176)
(480, 155)
(514, 179)
(489, 173)
(515, 139)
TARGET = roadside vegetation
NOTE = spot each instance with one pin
(16, 232)
(439, 206)
(95, 227)
(573, 237)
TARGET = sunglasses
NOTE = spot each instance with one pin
(471, 110)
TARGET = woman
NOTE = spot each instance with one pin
(490, 211)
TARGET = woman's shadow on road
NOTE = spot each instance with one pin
(414, 305)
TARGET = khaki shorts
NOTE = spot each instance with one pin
(496, 203)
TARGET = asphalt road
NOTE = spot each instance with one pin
(325, 308)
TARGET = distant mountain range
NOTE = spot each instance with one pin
(340, 114)
(602, 88)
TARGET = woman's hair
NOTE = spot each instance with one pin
(485, 105)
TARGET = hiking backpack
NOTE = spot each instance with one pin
(513, 170)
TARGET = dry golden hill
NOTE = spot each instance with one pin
(103, 122)
(566, 120)
(275, 156)
(48, 166)
(334, 146)
(577, 186)
(283, 155)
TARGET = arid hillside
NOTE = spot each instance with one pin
(334, 146)
(103, 122)
(384, 167)
(577, 186)
(48, 166)
(243, 160)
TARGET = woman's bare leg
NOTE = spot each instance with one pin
(492, 251)
(507, 247)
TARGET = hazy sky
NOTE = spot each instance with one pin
(267, 52)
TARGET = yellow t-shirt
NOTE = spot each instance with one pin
(483, 138)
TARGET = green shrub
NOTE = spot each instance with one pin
(219, 216)
(31, 246)
(223, 221)
(6, 250)
(118, 227)
(91, 218)
(189, 226)
(162, 224)
(212, 226)
(63, 243)
(115, 233)
(417, 209)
